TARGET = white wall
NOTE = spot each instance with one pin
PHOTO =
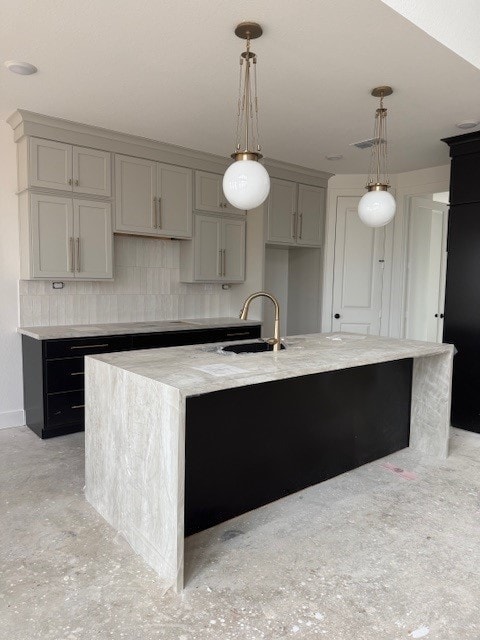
(11, 385)
(454, 24)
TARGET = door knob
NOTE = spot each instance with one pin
(441, 315)
(436, 315)
(337, 316)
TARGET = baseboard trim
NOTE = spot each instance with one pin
(12, 419)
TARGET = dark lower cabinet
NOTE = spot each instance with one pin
(248, 446)
(53, 371)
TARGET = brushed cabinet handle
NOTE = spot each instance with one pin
(238, 333)
(224, 262)
(159, 205)
(71, 255)
(90, 346)
(77, 406)
(77, 183)
(77, 373)
(294, 225)
(70, 181)
(219, 265)
(77, 257)
(300, 217)
(154, 212)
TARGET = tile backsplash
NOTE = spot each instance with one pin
(146, 286)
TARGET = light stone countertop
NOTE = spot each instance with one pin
(123, 328)
(180, 367)
(136, 417)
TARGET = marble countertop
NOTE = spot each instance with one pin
(90, 330)
(198, 369)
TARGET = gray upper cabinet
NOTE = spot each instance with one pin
(282, 203)
(50, 164)
(91, 172)
(217, 251)
(59, 166)
(209, 194)
(152, 198)
(310, 215)
(296, 214)
(174, 201)
(64, 237)
(135, 195)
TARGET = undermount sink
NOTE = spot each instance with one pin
(250, 347)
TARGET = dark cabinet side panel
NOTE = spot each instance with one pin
(464, 182)
(462, 313)
(249, 446)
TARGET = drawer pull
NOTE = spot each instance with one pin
(78, 373)
(238, 333)
(77, 406)
(90, 346)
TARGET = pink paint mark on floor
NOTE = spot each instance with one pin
(408, 475)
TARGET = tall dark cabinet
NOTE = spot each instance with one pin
(462, 296)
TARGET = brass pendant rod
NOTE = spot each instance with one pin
(247, 91)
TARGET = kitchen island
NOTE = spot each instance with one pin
(180, 439)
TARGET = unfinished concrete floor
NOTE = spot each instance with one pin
(371, 554)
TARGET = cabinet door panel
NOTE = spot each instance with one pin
(66, 408)
(91, 170)
(208, 245)
(93, 237)
(175, 211)
(51, 236)
(135, 190)
(281, 211)
(209, 194)
(234, 250)
(50, 164)
(311, 215)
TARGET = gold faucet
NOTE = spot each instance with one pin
(275, 341)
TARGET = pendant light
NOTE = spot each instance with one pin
(246, 183)
(377, 206)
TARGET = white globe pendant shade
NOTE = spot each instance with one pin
(376, 208)
(246, 184)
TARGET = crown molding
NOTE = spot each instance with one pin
(28, 123)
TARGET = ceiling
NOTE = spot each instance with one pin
(168, 70)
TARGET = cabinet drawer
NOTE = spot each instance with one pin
(65, 374)
(65, 408)
(86, 346)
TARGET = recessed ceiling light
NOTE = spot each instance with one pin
(22, 68)
(334, 157)
(467, 124)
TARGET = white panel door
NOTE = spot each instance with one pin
(358, 271)
(136, 195)
(51, 236)
(93, 239)
(174, 192)
(233, 250)
(208, 248)
(282, 219)
(91, 172)
(311, 215)
(426, 270)
(50, 164)
(209, 194)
